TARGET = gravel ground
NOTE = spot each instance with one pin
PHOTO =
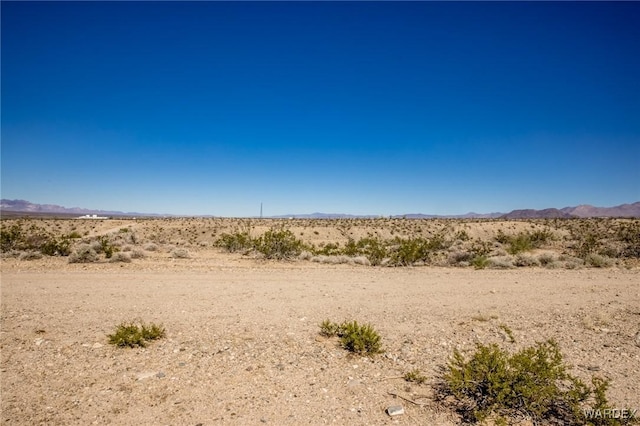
(242, 344)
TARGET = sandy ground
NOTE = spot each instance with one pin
(243, 347)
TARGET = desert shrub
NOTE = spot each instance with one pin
(410, 251)
(480, 248)
(546, 259)
(121, 257)
(500, 262)
(329, 328)
(597, 261)
(629, 235)
(587, 244)
(83, 254)
(480, 262)
(520, 243)
(239, 241)
(372, 248)
(524, 260)
(460, 257)
(524, 241)
(414, 376)
(56, 246)
(533, 382)
(104, 245)
(74, 235)
(306, 255)
(462, 236)
(132, 335)
(34, 239)
(138, 254)
(180, 253)
(329, 249)
(278, 244)
(30, 255)
(11, 238)
(361, 339)
(361, 260)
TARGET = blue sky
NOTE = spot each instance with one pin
(342, 107)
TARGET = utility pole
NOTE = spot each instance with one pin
(260, 210)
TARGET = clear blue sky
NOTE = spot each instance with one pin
(341, 107)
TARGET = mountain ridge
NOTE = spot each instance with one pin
(580, 211)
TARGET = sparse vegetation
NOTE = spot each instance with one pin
(180, 253)
(232, 243)
(533, 382)
(415, 376)
(133, 335)
(478, 243)
(278, 244)
(361, 339)
(83, 254)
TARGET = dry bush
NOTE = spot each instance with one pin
(84, 253)
(121, 257)
(138, 254)
(30, 255)
(500, 262)
(180, 253)
(524, 260)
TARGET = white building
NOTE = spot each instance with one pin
(92, 216)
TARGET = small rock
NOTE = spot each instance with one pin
(39, 341)
(395, 410)
(593, 368)
(160, 375)
(146, 375)
(96, 345)
(638, 338)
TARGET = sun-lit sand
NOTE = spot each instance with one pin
(243, 343)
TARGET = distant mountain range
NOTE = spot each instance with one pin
(22, 206)
(582, 211)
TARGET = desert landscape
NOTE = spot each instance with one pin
(242, 302)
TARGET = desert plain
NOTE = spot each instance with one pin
(242, 342)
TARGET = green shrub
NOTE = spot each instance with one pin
(407, 252)
(524, 241)
(414, 376)
(132, 335)
(480, 262)
(34, 239)
(240, 241)
(587, 244)
(278, 244)
(533, 382)
(361, 339)
(372, 248)
(54, 246)
(105, 246)
(329, 328)
(329, 249)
